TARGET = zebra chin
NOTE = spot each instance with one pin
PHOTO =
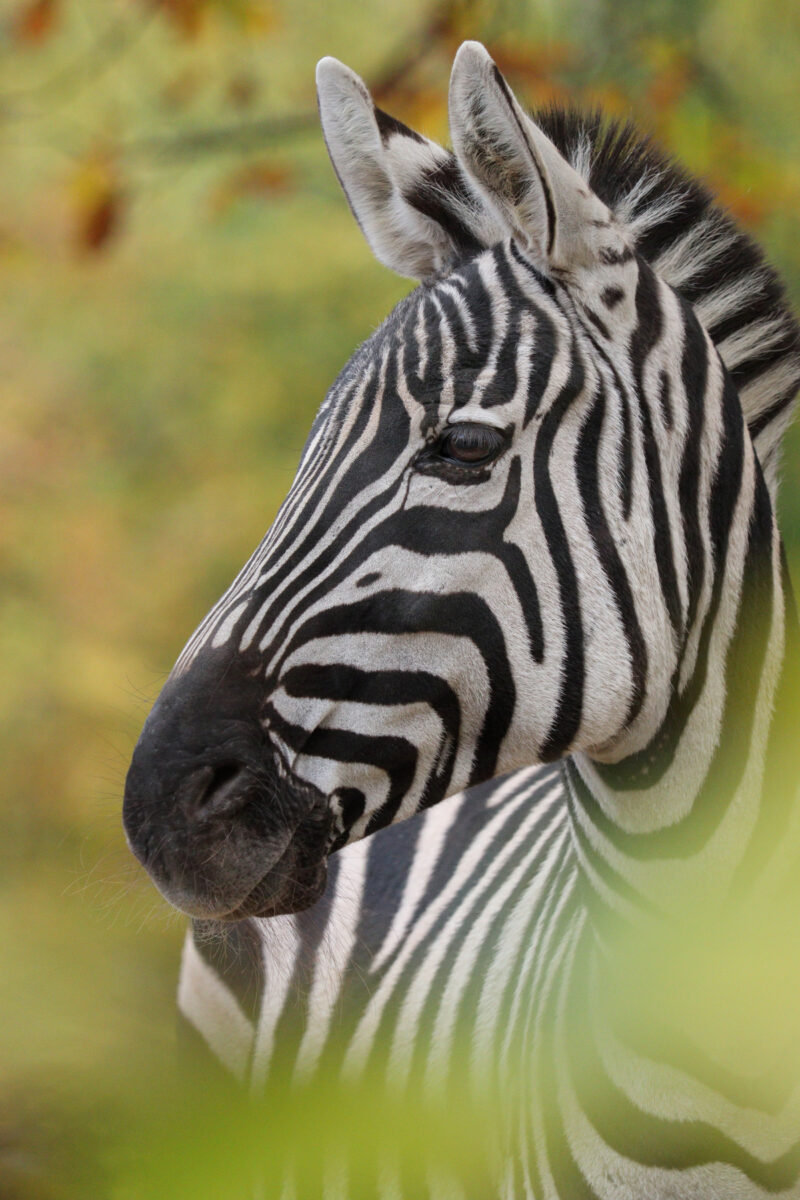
(222, 827)
(295, 881)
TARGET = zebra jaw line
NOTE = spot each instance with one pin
(533, 523)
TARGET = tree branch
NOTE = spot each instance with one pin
(240, 136)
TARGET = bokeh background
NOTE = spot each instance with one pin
(180, 281)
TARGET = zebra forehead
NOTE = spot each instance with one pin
(449, 340)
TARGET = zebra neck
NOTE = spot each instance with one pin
(693, 924)
(709, 815)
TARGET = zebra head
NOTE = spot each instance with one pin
(491, 554)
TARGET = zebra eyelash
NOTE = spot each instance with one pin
(442, 456)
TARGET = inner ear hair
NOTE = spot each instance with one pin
(406, 192)
(547, 205)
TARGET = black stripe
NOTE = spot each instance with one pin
(694, 378)
(439, 193)
(665, 398)
(587, 474)
(569, 707)
(398, 612)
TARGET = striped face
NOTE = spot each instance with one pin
(483, 560)
(441, 598)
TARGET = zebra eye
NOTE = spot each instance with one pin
(470, 443)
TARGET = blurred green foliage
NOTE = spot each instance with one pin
(181, 282)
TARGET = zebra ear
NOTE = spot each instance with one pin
(405, 191)
(546, 203)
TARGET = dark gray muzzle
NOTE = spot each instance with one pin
(211, 812)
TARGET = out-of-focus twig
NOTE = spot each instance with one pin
(117, 38)
(241, 136)
(234, 136)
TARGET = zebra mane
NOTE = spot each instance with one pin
(698, 249)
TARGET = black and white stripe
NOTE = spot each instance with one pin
(589, 627)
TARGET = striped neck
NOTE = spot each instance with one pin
(689, 861)
(705, 814)
(708, 804)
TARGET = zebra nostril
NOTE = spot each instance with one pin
(215, 790)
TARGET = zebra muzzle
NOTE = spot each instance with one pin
(220, 825)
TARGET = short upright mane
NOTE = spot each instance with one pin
(697, 248)
(422, 211)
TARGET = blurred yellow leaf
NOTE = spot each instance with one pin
(532, 63)
(750, 207)
(671, 77)
(190, 16)
(97, 202)
(421, 108)
(257, 16)
(610, 99)
(186, 15)
(260, 180)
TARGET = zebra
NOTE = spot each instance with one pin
(528, 589)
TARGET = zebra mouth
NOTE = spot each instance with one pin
(295, 881)
(246, 863)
